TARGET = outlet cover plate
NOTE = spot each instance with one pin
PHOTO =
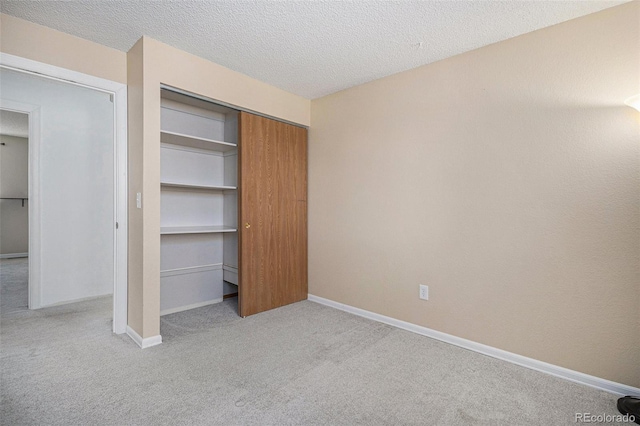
(424, 292)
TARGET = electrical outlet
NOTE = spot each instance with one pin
(424, 292)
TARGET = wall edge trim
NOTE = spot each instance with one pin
(192, 306)
(190, 270)
(13, 255)
(523, 361)
(143, 343)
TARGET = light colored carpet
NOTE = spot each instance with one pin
(300, 364)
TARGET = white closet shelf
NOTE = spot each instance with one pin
(172, 230)
(195, 142)
(195, 186)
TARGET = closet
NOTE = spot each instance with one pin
(233, 207)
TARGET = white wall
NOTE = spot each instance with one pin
(14, 217)
(76, 185)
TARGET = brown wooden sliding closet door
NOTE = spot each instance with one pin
(272, 218)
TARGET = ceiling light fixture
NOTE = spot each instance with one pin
(634, 102)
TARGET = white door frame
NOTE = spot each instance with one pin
(120, 233)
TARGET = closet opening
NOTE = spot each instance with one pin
(199, 203)
(233, 212)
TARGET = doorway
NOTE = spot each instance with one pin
(14, 209)
(77, 183)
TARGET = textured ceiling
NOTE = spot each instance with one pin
(311, 48)
(14, 123)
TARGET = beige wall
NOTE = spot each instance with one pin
(134, 156)
(14, 182)
(508, 180)
(28, 40)
(150, 64)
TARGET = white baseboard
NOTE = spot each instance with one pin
(68, 302)
(13, 255)
(144, 343)
(554, 370)
(187, 307)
